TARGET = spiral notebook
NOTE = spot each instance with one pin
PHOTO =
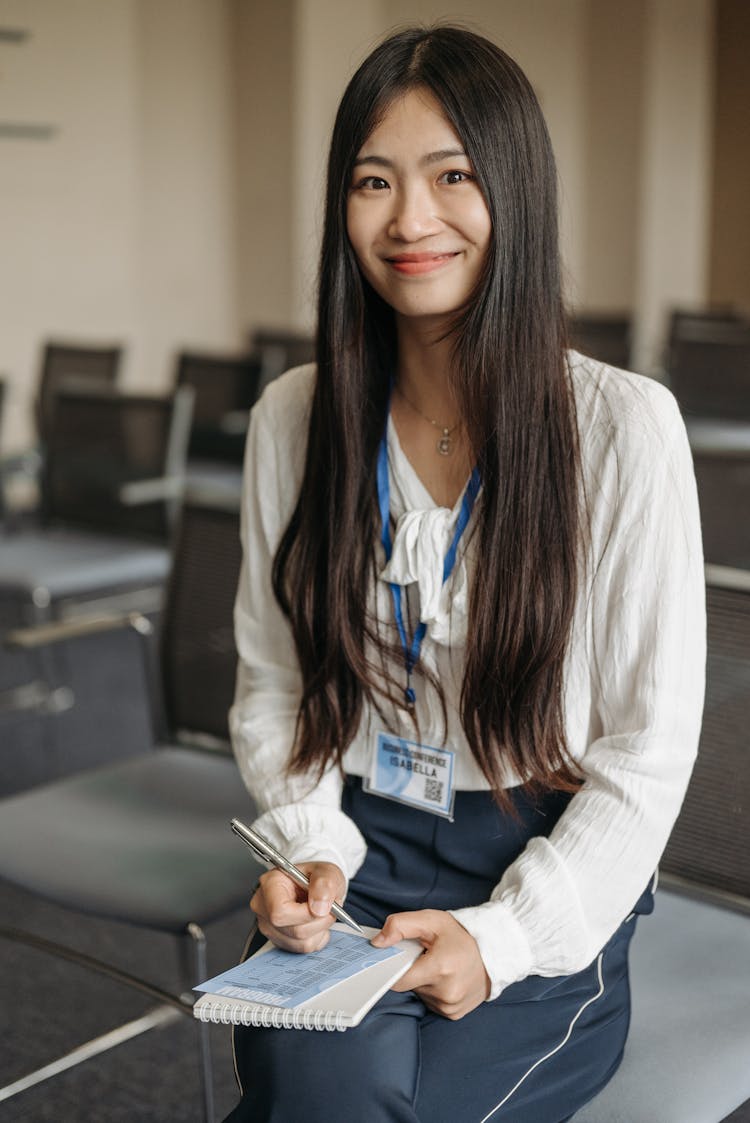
(328, 989)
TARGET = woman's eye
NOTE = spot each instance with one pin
(455, 177)
(372, 183)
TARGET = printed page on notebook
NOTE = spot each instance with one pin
(328, 989)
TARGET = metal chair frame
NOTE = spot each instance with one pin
(42, 608)
(164, 721)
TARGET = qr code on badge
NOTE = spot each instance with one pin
(433, 790)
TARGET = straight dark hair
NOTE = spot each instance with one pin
(512, 384)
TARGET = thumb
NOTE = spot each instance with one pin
(405, 926)
(324, 884)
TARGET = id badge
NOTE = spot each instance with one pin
(417, 775)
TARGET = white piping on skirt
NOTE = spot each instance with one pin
(654, 885)
(556, 1049)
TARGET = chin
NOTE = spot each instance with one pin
(423, 303)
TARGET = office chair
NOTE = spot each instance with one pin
(225, 389)
(686, 1060)
(2, 472)
(710, 374)
(64, 363)
(146, 841)
(721, 458)
(280, 350)
(713, 321)
(111, 484)
(603, 337)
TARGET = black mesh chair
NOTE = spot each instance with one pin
(2, 473)
(224, 389)
(603, 337)
(112, 482)
(147, 841)
(713, 321)
(280, 350)
(686, 1060)
(64, 363)
(710, 374)
(721, 458)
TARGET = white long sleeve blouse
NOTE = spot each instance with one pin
(634, 674)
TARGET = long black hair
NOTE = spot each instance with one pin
(511, 381)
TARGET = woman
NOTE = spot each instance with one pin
(468, 547)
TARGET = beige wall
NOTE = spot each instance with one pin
(179, 202)
(68, 206)
(613, 115)
(187, 224)
(262, 80)
(122, 227)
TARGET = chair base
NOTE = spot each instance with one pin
(171, 1007)
(159, 1016)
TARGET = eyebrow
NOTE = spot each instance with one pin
(429, 158)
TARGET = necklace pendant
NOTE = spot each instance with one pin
(445, 444)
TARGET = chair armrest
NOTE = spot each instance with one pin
(57, 631)
(727, 577)
(139, 492)
(716, 437)
(76, 627)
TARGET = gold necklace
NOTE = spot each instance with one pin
(444, 443)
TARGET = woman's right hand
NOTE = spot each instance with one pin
(294, 918)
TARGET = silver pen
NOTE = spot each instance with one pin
(270, 856)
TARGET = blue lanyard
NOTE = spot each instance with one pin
(412, 650)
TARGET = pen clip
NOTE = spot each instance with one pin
(237, 828)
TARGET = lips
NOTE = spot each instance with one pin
(416, 263)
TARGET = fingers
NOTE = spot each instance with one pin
(299, 940)
(285, 911)
(449, 976)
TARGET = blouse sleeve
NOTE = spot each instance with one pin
(565, 896)
(302, 818)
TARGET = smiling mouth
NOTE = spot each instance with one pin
(415, 263)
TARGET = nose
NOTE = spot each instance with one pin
(414, 215)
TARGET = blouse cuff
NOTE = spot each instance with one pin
(312, 833)
(503, 946)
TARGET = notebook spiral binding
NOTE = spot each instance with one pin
(270, 1017)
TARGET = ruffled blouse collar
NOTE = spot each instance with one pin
(422, 537)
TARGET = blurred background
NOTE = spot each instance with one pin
(161, 176)
(161, 164)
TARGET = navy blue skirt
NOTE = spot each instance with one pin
(534, 1055)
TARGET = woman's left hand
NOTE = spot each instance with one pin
(449, 976)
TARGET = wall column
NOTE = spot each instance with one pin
(330, 39)
(675, 169)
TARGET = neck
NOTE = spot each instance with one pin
(424, 371)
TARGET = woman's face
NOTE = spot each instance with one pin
(416, 218)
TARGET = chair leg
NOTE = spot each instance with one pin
(200, 968)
